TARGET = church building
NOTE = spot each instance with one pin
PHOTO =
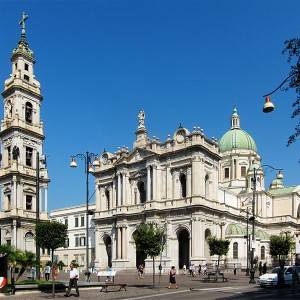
(195, 187)
(21, 140)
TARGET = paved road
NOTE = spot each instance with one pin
(237, 288)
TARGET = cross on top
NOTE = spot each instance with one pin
(22, 22)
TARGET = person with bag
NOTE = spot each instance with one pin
(172, 280)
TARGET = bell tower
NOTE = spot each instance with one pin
(21, 139)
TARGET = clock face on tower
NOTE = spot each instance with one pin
(180, 136)
(104, 158)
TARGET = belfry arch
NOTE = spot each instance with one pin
(183, 237)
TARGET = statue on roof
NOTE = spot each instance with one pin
(141, 117)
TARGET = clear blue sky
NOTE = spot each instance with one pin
(99, 62)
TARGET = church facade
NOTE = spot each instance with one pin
(21, 139)
(195, 187)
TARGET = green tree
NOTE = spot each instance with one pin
(51, 235)
(149, 240)
(292, 49)
(280, 247)
(218, 247)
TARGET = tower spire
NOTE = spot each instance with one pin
(235, 119)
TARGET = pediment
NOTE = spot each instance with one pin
(136, 155)
(29, 190)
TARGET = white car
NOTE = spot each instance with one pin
(271, 279)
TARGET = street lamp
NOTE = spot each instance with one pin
(254, 179)
(90, 160)
(269, 106)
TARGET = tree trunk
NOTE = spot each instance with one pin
(218, 264)
(153, 261)
(52, 269)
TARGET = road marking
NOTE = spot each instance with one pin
(156, 295)
(225, 288)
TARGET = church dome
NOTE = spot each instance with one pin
(236, 138)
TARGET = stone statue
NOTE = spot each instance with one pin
(141, 117)
(8, 109)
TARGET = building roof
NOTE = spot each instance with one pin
(236, 138)
(285, 190)
(239, 230)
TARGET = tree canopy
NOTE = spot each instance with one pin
(51, 234)
(292, 49)
(218, 246)
(280, 245)
(148, 239)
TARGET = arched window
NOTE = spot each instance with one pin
(107, 195)
(235, 250)
(28, 112)
(29, 235)
(206, 186)
(142, 191)
(262, 252)
(182, 179)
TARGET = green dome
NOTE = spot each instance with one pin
(234, 229)
(236, 138)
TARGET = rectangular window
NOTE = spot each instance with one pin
(26, 67)
(76, 222)
(29, 152)
(226, 173)
(66, 221)
(82, 241)
(16, 66)
(28, 202)
(77, 241)
(8, 155)
(82, 221)
(26, 77)
(243, 171)
(8, 200)
(67, 243)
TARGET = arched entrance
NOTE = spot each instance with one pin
(107, 242)
(183, 248)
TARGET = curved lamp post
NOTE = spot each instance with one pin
(90, 160)
(269, 106)
(254, 179)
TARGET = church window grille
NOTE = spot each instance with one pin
(76, 222)
(26, 77)
(28, 202)
(262, 252)
(107, 195)
(26, 67)
(226, 173)
(243, 171)
(182, 179)
(82, 221)
(235, 250)
(28, 112)
(29, 152)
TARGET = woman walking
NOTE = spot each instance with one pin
(172, 280)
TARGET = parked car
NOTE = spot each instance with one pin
(271, 279)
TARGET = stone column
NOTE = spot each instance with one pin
(124, 200)
(176, 185)
(119, 190)
(98, 198)
(119, 243)
(148, 183)
(124, 245)
(115, 243)
(15, 198)
(154, 182)
(159, 181)
(113, 194)
(196, 234)
(197, 176)
(169, 182)
(189, 182)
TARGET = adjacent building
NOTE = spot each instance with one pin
(75, 248)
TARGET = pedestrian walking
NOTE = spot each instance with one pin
(260, 267)
(74, 276)
(47, 271)
(234, 269)
(264, 268)
(141, 271)
(184, 269)
(172, 280)
(199, 269)
(205, 270)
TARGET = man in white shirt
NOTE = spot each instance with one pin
(74, 275)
